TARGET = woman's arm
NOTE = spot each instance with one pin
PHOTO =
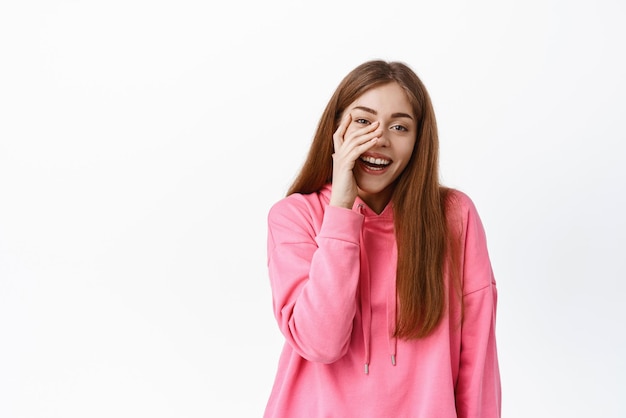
(478, 392)
(314, 277)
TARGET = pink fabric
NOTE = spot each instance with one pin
(316, 256)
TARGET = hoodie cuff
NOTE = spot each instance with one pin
(342, 224)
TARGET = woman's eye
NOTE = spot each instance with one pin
(362, 121)
(399, 128)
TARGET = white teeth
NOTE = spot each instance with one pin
(377, 161)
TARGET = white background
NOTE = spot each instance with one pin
(142, 143)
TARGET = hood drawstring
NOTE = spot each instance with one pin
(366, 304)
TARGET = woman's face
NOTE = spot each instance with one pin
(377, 169)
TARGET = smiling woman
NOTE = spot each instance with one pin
(381, 279)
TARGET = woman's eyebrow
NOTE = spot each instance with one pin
(367, 109)
(394, 115)
(401, 115)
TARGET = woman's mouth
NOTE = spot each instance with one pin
(374, 163)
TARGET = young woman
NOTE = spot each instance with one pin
(381, 280)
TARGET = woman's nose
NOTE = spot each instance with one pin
(383, 139)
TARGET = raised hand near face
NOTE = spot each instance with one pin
(349, 144)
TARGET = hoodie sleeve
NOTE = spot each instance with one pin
(478, 392)
(314, 276)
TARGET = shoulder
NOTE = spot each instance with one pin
(298, 205)
(460, 207)
(467, 226)
(298, 214)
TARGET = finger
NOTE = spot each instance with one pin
(352, 151)
(359, 138)
(365, 133)
(343, 125)
(341, 131)
(363, 147)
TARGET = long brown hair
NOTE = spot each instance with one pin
(419, 201)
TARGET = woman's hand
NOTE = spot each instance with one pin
(348, 148)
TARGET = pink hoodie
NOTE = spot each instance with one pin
(332, 272)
